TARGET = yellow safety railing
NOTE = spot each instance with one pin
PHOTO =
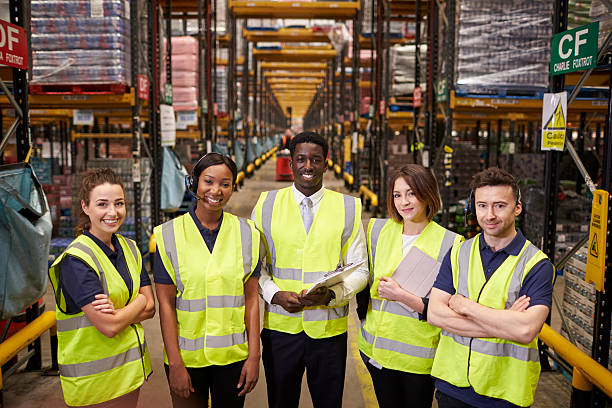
(369, 195)
(587, 372)
(250, 168)
(239, 177)
(330, 163)
(258, 162)
(337, 169)
(348, 178)
(24, 337)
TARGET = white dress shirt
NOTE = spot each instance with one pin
(356, 252)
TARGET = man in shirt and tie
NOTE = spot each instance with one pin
(308, 231)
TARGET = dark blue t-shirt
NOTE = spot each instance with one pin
(538, 286)
(80, 284)
(161, 275)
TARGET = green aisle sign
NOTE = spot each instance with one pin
(574, 50)
(442, 90)
(167, 97)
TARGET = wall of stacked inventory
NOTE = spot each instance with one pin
(81, 43)
(502, 44)
(579, 303)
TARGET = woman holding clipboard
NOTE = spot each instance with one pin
(396, 343)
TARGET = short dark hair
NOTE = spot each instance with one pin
(423, 184)
(213, 159)
(309, 137)
(494, 176)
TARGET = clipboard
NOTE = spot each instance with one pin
(417, 272)
(336, 276)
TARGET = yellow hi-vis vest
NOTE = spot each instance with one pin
(493, 367)
(94, 368)
(392, 334)
(209, 287)
(298, 259)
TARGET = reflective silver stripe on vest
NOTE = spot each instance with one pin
(228, 340)
(374, 233)
(190, 305)
(279, 310)
(464, 267)
(133, 248)
(266, 221)
(505, 350)
(447, 244)
(287, 273)
(517, 278)
(367, 336)
(199, 305)
(247, 246)
(349, 221)
(320, 315)
(90, 252)
(312, 277)
(102, 365)
(170, 247)
(73, 323)
(393, 308)
(403, 348)
(464, 341)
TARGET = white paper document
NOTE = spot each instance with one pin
(333, 277)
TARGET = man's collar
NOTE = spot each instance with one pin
(513, 248)
(315, 198)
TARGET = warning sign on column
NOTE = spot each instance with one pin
(554, 124)
(596, 258)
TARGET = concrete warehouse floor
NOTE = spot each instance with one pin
(31, 389)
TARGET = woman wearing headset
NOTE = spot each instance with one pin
(206, 276)
(397, 344)
(102, 294)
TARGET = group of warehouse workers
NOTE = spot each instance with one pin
(470, 337)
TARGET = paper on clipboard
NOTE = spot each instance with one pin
(333, 277)
(417, 272)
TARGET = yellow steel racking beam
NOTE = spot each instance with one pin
(290, 66)
(338, 10)
(286, 35)
(287, 74)
(310, 81)
(296, 55)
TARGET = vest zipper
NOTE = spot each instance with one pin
(141, 350)
(472, 338)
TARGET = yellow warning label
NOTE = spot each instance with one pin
(596, 264)
(554, 123)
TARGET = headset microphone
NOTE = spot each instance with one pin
(189, 185)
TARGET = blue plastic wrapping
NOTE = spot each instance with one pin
(239, 154)
(78, 8)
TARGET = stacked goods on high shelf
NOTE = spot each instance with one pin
(221, 13)
(185, 73)
(573, 214)
(526, 166)
(600, 12)
(579, 303)
(81, 42)
(503, 46)
(397, 28)
(578, 13)
(221, 89)
(403, 68)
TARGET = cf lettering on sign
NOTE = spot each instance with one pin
(574, 50)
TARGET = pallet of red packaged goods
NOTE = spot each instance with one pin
(82, 89)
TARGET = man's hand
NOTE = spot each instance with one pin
(290, 301)
(521, 304)
(319, 297)
(459, 303)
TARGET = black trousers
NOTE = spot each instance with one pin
(221, 381)
(446, 401)
(286, 356)
(395, 388)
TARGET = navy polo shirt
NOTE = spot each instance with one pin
(538, 286)
(80, 284)
(161, 275)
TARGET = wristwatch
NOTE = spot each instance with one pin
(332, 297)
